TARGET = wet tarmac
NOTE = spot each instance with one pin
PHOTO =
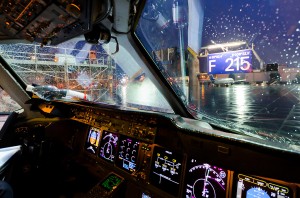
(273, 109)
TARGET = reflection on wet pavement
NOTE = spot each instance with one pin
(273, 109)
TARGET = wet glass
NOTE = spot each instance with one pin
(78, 71)
(7, 104)
(235, 63)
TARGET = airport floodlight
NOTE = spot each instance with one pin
(225, 45)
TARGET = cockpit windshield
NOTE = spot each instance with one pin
(235, 63)
(78, 71)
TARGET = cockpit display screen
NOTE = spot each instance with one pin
(111, 182)
(127, 154)
(205, 180)
(92, 141)
(166, 168)
(249, 186)
(108, 146)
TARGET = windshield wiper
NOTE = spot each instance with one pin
(49, 92)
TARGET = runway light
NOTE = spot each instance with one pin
(222, 45)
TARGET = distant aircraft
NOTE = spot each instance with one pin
(221, 81)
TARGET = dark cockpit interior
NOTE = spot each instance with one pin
(112, 98)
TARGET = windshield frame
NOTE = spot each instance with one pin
(124, 42)
(165, 88)
(16, 77)
(178, 106)
(155, 66)
(140, 53)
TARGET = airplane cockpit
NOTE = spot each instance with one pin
(114, 98)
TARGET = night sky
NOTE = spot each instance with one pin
(273, 26)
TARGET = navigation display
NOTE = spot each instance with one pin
(127, 154)
(92, 141)
(166, 169)
(248, 186)
(108, 146)
(205, 180)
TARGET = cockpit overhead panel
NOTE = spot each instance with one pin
(46, 22)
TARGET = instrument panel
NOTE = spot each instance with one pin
(205, 180)
(178, 174)
(166, 169)
(150, 151)
(249, 186)
(136, 126)
(127, 156)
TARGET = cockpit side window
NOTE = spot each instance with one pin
(7, 104)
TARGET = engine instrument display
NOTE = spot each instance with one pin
(127, 153)
(166, 168)
(248, 186)
(108, 146)
(205, 180)
(92, 141)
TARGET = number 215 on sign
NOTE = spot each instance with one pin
(230, 62)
